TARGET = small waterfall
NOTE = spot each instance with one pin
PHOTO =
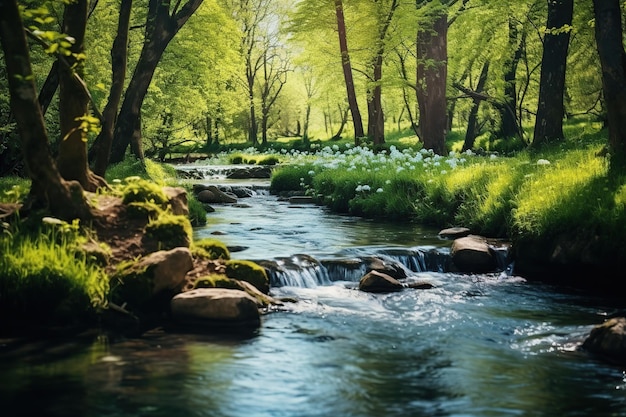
(296, 271)
(308, 272)
(421, 259)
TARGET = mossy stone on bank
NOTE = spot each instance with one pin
(211, 249)
(250, 272)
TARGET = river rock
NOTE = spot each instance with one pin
(168, 268)
(301, 199)
(454, 232)
(216, 306)
(388, 266)
(378, 282)
(177, 197)
(473, 254)
(608, 340)
(212, 194)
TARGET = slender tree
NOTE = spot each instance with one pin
(376, 119)
(508, 120)
(550, 110)
(163, 21)
(347, 73)
(470, 134)
(609, 39)
(119, 58)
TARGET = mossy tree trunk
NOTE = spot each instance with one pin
(74, 103)
(48, 190)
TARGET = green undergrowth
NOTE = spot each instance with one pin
(564, 186)
(46, 276)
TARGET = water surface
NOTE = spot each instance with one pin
(474, 345)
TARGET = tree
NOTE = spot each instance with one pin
(550, 110)
(73, 103)
(470, 134)
(347, 73)
(609, 39)
(162, 23)
(376, 120)
(508, 120)
(48, 189)
(432, 72)
(119, 59)
(274, 76)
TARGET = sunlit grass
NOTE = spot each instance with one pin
(45, 276)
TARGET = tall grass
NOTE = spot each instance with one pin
(44, 276)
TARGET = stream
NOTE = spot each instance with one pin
(473, 345)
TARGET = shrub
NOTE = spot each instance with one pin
(291, 178)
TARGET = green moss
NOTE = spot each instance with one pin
(142, 191)
(143, 210)
(250, 272)
(211, 249)
(170, 231)
(222, 281)
(217, 281)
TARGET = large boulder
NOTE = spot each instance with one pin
(473, 254)
(215, 306)
(378, 282)
(608, 340)
(150, 283)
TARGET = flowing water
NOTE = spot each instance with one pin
(473, 345)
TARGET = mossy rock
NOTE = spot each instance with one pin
(250, 272)
(217, 281)
(143, 210)
(222, 281)
(211, 249)
(143, 191)
(169, 231)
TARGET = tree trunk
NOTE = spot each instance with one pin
(160, 30)
(470, 134)
(119, 60)
(609, 35)
(376, 118)
(48, 189)
(508, 125)
(73, 104)
(432, 56)
(347, 73)
(550, 110)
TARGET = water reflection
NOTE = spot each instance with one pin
(474, 345)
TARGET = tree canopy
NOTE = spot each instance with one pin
(204, 73)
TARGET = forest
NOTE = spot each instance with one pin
(156, 77)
